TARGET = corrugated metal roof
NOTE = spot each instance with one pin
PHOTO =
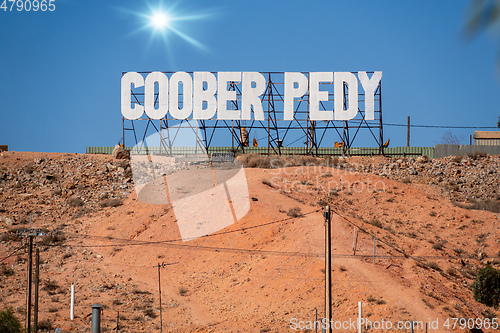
(486, 135)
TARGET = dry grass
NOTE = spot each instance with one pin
(488, 205)
(276, 161)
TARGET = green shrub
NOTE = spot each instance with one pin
(487, 286)
(8, 322)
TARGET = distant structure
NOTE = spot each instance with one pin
(4, 148)
(487, 138)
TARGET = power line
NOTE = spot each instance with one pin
(139, 242)
(443, 126)
(172, 243)
(405, 255)
(10, 255)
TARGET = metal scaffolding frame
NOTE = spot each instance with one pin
(278, 131)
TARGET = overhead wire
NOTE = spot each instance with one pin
(442, 126)
(11, 254)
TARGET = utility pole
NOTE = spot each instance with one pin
(31, 234)
(30, 266)
(159, 294)
(37, 282)
(159, 266)
(328, 268)
(408, 133)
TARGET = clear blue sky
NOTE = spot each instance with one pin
(61, 70)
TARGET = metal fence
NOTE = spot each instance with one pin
(362, 151)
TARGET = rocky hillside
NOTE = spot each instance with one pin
(434, 222)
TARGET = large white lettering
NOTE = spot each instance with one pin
(236, 95)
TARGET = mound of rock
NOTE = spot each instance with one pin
(50, 189)
(472, 177)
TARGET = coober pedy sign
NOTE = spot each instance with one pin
(206, 96)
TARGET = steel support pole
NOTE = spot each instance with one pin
(381, 130)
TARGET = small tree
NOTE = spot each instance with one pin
(8, 322)
(449, 138)
(487, 286)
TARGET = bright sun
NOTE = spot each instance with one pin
(160, 20)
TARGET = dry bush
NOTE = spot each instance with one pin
(6, 271)
(476, 155)
(183, 291)
(255, 161)
(295, 212)
(111, 203)
(140, 292)
(45, 325)
(150, 313)
(307, 160)
(331, 161)
(50, 286)
(267, 182)
(406, 181)
(439, 245)
(434, 266)
(322, 202)
(451, 271)
(481, 238)
(53, 238)
(375, 223)
(7, 237)
(429, 305)
(75, 202)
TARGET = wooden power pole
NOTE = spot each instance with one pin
(328, 268)
(30, 267)
(37, 282)
(408, 133)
